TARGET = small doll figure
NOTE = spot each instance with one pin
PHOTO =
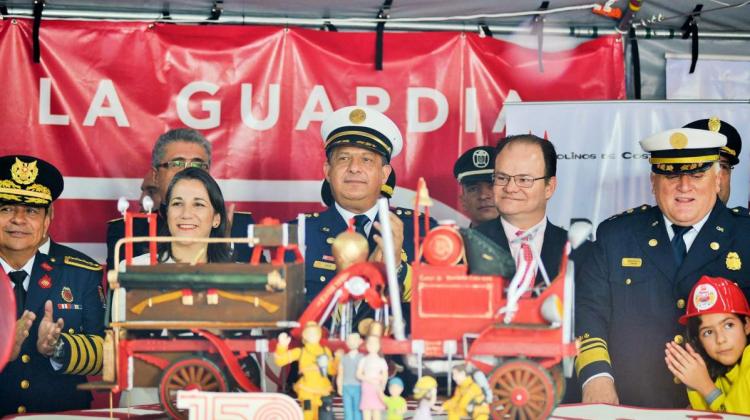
(715, 362)
(348, 385)
(425, 391)
(468, 399)
(395, 404)
(315, 365)
(372, 372)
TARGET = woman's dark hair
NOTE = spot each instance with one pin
(715, 369)
(216, 252)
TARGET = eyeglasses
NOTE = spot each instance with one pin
(523, 181)
(181, 164)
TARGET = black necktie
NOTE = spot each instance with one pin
(360, 221)
(17, 277)
(679, 249)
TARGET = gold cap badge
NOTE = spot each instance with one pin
(357, 116)
(714, 124)
(678, 140)
(24, 173)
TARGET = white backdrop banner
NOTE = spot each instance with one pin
(601, 168)
(715, 77)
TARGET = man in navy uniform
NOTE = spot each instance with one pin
(174, 151)
(474, 172)
(729, 154)
(359, 145)
(643, 266)
(58, 338)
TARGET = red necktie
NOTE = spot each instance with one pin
(528, 257)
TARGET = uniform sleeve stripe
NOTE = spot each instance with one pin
(72, 354)
(90, 356)
(406, 295)
(99, 343)
(82, 353)
(95, 356)
(587, 346)
(593, 340)
(596, 354)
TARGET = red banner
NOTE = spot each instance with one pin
(105, 91)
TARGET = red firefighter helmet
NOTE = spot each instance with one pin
(715, 295)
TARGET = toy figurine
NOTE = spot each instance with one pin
(425, 391)
(468, 400)
(348, 385)
(315, 365)
(373, 375)
(395, 403)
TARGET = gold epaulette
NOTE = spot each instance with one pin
(81, 263)
(635, 210)
(114, 220)
(592, 350)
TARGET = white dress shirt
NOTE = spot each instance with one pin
(535, 236)
(371, 214)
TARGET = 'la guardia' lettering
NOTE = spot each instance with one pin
(106, 104)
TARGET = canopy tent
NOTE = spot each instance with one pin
(723, 27)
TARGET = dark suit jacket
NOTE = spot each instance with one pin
(553, 245)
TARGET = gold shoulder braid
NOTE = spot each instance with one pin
(81, 263)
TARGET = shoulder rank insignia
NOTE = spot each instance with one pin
(740, 211)
(81, 263)
(635, 210)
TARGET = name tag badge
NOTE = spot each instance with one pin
(324, 265)
(632, 262)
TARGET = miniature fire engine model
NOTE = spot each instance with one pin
(470, 302)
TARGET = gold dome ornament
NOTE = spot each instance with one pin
(349, 248)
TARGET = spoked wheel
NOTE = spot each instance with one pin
(558, 379)
(521, 390)
(191, 373)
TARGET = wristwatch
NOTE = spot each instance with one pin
(58, 353)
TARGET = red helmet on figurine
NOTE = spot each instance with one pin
(712, 295)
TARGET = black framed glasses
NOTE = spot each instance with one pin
(523, 181)
(182, 164)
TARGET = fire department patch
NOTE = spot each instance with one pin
(45, 282)
(705, 297)
(67, 294)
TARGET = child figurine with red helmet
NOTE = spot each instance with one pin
(715, 363)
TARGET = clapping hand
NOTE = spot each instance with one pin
(689, 367)
(49, 331)
(23, 325)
